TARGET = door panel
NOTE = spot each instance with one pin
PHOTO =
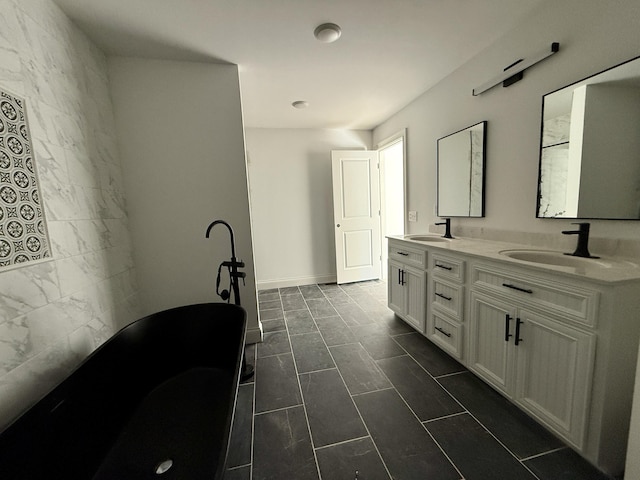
(554, 371)
(356, 208)
(490, 355)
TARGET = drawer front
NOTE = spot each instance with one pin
(407, 255)
(447, 267)
(447, 297)
(568, 301)
(446, 333)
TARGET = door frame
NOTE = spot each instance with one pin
(387, 142)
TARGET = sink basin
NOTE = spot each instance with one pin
(428, 238)
(559, 259)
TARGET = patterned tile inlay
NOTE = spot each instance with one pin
(23, 232)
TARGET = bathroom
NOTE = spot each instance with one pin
(54, 313)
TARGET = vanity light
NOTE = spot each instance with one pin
(327, 32)
(300, 104)
(513, 72)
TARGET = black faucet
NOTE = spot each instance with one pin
(582, 249)
(447, 228)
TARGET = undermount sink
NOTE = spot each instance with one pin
(428, 238)
(559, 259)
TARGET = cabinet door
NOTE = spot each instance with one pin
(415, 285)
(395, 289)
(554, 370)
(491, 346)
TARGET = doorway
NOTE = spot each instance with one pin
(392, 155)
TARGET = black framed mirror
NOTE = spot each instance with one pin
(590, 147)
(461, 160)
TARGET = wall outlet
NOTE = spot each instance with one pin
(413, 216)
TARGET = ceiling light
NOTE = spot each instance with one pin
(327, 32)
(300, 104)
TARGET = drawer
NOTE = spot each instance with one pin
(447, 297)
(447, 267)
(446, 333)
(408, 255)
(544, 293)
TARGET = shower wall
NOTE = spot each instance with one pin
(54, 313)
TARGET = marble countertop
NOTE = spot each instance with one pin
(603, 270)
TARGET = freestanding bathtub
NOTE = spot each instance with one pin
(154, 401)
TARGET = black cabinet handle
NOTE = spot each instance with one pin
(444, 267)
(399, 276)
(446, 334)
(443, 296)
(404, 254)
(518, 323)
(402, 282)
(507, 323)
(520, 289)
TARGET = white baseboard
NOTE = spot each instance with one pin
(295, 281)
(254, 335)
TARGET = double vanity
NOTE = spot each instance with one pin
(556, 334)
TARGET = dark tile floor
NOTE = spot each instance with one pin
(343, 389)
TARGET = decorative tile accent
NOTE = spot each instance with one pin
(23, 231)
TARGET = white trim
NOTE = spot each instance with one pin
(254, 334)
(295, 281)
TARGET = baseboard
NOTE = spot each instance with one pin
(295, 281)
(254, 335)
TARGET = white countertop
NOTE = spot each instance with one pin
(604, 270)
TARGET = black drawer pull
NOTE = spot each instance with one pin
(520, 289)
(444, 267)
(404, 254)
(446, 334)
(443, 296)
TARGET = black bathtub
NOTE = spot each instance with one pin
(154, 401)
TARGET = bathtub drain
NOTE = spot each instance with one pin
(164, 466)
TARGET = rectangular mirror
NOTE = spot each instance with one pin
(590, 147)
(460, 172)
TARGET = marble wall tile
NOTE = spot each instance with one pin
(54, 313)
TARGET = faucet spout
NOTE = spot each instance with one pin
(447, 227)
(582, 248)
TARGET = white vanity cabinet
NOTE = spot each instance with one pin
(406, 283)
(526, 350)
(560, 344)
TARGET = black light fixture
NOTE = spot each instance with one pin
(514, 72)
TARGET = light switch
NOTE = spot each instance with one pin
(413, 216)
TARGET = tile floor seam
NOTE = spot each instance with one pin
(281, 409)
(342, 442)
(421, 424)
(542, 454)
(444, 417)
(304, 407)
(384, 464)
(483, 425)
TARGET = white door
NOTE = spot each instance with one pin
(356, 214)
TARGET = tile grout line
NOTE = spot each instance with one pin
(393, 387)
(304, 407)
(489, 431)
(384, 464)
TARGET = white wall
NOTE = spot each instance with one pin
(292, 204)
(53, 314)
(181, 136)
(593, 36)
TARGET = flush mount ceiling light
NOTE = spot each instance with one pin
(327, 32)
(300, 104)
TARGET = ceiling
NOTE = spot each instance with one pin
(389, 53)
